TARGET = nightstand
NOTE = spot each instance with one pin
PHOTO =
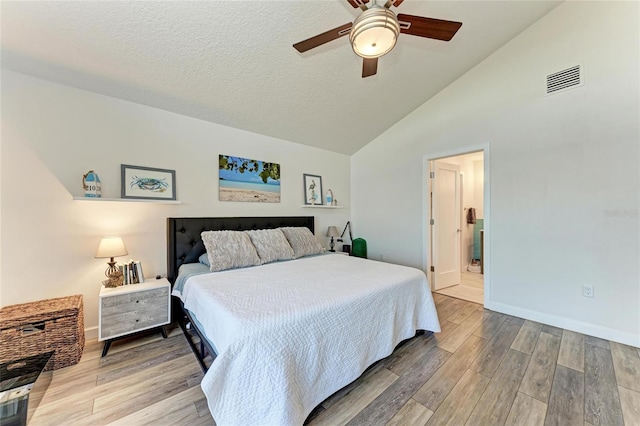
(132, 308)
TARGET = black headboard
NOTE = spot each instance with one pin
(184, 244)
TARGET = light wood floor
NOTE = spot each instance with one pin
(471, 288)
(484, 368)
(146, 380)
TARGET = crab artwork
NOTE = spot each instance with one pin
(149, 184)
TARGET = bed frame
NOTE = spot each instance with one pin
(184, 245)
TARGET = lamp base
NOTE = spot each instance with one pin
(113, 274)
(331, 244)
(112, 269)
(114, 281)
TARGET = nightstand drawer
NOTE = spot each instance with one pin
(133, 308)
(134, 301)
(132, 321)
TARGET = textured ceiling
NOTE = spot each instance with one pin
(232, 62)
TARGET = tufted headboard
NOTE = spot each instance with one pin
(184, 244)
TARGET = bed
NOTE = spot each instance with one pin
(288, 334)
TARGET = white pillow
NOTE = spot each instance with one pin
(229, 249)
(302, 241)
(271, 245)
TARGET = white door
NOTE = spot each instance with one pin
(445, 230)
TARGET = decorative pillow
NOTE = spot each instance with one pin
(229, 249)
(204, 259)
(271, 245)
(302, 241)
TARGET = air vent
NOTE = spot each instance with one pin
(564, 80)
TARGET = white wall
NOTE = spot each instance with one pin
(559, 166)
(53, 134)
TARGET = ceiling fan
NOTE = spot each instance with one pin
(375, 31)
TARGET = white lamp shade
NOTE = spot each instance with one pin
(332, 231)
(111, 247)
(374, 32)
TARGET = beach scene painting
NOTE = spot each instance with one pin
(244, 179)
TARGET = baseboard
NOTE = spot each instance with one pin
(567, 323)
(91, 333)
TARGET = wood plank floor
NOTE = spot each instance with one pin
(485, 368)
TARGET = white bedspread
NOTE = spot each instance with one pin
(290, 334)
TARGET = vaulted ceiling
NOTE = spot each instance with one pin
(232, 62)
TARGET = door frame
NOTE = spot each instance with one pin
(426, 213)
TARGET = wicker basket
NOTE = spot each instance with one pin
(46, 325)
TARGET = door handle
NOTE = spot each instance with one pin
(459, 230)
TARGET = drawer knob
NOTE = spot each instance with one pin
(137, 320)
(137, 301)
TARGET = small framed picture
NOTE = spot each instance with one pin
(312, 189)
(148, 183)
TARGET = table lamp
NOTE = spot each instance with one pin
(111, 247)
(332, 232)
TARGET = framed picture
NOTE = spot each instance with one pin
(147, 183)
(312, 189)
(245, 179)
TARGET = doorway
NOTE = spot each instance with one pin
(456, 191)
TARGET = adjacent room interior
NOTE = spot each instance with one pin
(456, 239)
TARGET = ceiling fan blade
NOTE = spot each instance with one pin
(428, 27)
(323, 38)
(359, 4)
(369, 67)
(395, 3)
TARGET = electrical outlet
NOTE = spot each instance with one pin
(587, 290)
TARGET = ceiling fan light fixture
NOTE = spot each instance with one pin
(374, 32)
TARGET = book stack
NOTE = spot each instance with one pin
(132, 272)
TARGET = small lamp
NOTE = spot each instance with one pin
(111, 247)
(332, 232)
